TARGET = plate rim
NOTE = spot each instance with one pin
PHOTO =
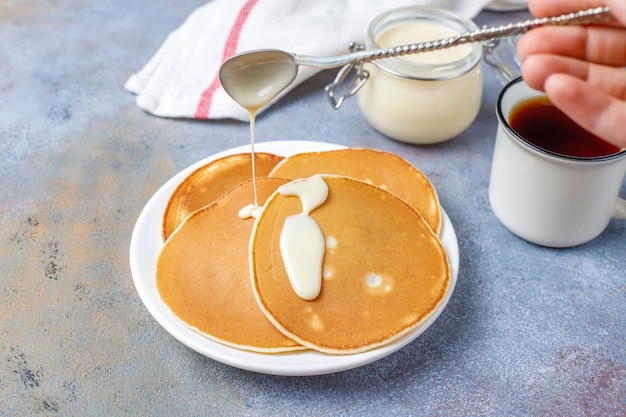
(144, 249)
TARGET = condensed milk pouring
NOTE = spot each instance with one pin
(254, 83)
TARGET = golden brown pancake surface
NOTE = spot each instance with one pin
(204, 277)
(207, 183)
(381, 168)
(384, 269)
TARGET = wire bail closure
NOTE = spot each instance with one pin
(360, 77)
(501, 56)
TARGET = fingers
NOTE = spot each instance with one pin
(593, 109)
(618, 10)
(603, 45)
(578, 67)
(543, 8)
(538, 68)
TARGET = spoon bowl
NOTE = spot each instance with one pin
(255, 78)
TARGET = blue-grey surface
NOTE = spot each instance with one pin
(528, 331)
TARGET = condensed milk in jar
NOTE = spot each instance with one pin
(427, 97)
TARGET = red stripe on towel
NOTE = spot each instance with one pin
(204, 105)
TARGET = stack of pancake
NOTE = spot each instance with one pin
(384, 269)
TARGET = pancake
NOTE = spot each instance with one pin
(207, 183)
(203, 275)
(384, 269)
(384, 169)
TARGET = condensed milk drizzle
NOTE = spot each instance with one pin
(253, 209)
(252, 115)
(302, 243)
(254, 83)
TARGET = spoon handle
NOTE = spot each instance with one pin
(582, 17)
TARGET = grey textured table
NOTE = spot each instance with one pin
(528, 331)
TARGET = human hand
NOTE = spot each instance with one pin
(580, 68)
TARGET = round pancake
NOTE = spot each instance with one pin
(384, 269)
(203, 275)
(207, 183)
(384, 169)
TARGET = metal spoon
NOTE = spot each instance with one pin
(246, 67)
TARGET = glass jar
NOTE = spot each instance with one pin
(427, 97)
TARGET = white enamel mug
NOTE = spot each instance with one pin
(546, 198)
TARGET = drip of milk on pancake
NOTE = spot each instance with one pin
(253, 86)
(302, 243)
(253, 209)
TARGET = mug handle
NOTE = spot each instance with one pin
(620, 209)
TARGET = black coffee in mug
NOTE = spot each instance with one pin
(540, 123)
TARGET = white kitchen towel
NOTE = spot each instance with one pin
(181, 79)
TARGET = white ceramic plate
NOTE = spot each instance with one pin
(507, 5)
(146, 244)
